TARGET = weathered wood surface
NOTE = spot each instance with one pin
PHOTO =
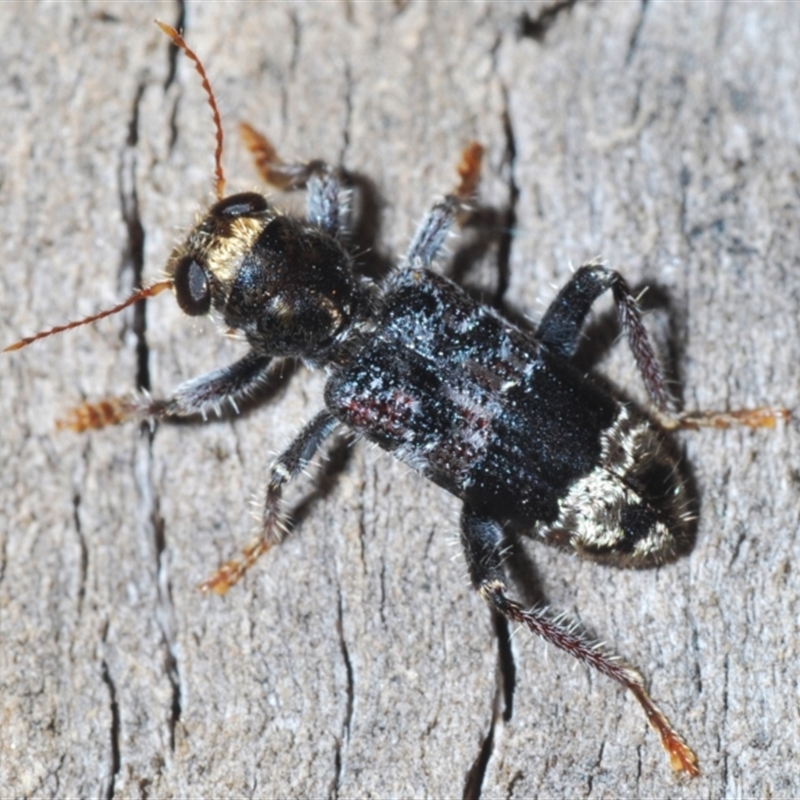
(355, 661)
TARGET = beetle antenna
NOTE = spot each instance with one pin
(178, 41)
(139, 294)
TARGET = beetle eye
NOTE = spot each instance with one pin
(191, 288)
(245, 204)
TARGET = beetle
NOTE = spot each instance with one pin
(496, 415)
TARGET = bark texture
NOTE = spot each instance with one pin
(354, 660)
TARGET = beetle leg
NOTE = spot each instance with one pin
(197, 396)
(561, 325)
(328, 202)
(482, 541)
(287, 467)
(426, 244)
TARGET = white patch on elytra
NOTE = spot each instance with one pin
(590, 513)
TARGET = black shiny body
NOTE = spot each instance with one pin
(495, 415)
(477, 406)
(498, 416)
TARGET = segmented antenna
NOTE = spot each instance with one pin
(159, 286)
(178, 41)
(139, 294)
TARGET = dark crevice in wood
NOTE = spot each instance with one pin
(172, 50)
(506, 684)
(348, 106)
(133, 256)
(166, 616)
(84, 562)
(116, 760)
(506, 238)
(133, 262)
(341, 742)
(634, 43)
(477, 772)
(536, 28)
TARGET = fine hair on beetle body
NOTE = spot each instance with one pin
(498, 416)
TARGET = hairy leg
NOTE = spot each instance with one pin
(287, 467)
(482, 541)
(560, 331)
(328, 202)
(197, 396)
(426, 244)
(563, 321)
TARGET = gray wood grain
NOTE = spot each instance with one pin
(355, 660)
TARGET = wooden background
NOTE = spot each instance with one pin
(355, 661)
